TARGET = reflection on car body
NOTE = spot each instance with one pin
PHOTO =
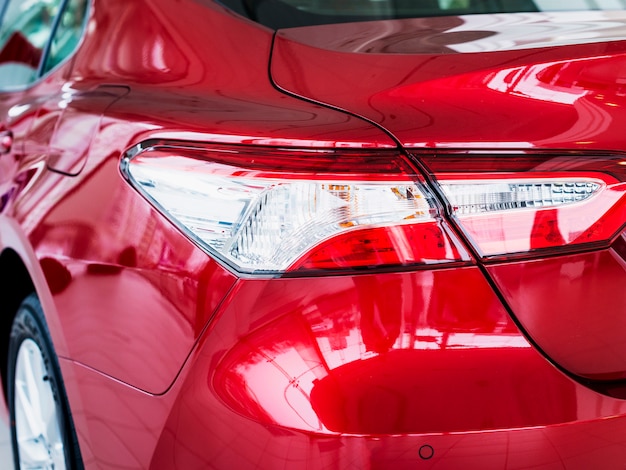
(313, 234)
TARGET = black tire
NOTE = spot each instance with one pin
(30, 338)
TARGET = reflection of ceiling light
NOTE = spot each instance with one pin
(18, 110)
(525, 82)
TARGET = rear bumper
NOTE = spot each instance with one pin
(372, 371)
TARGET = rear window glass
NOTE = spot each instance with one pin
(292, 13)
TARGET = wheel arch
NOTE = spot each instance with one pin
(15, 285)
(20, 275)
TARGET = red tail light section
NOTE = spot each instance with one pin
(266, 210)
(409, 244)
(509, 205)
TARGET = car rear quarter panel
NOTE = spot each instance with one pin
(133, 295)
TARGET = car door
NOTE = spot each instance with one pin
(45, 116)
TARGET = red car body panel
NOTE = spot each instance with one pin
(515, 96)
(172, 360)
(561, 304)
(508, 94)
(94, 240)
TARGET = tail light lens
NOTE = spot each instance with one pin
(274, 211)
(524, 203)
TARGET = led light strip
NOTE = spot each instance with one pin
(479, 196)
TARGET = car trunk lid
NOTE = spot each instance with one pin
(503, 80)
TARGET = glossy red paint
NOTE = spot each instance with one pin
(208, 95)
(423, 85)
(386, 354)
(346, 398)
(571, 308)
(172, 359)
(201, 432)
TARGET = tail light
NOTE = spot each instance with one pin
(521, 204)
(263, 210)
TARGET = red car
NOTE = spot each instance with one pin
(313, 234)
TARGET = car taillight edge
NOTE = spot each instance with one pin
(529, 205)
(288, 211)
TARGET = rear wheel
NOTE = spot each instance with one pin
(42, 431)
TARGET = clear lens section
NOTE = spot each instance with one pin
(475, 197)
(266, 220)
(507, 216)
(288, 218)
(209, 207)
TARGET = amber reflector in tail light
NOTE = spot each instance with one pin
(526, 203)
(264, 210)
